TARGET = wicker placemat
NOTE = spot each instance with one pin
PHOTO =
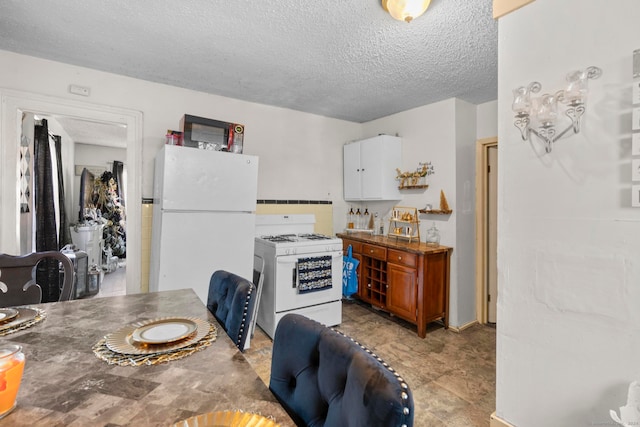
(40, 316)
(103, 352)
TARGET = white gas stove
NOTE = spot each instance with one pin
(303, 271)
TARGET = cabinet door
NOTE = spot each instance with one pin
(352, 177)
(402, 291)
(379, 158)
(370, 168)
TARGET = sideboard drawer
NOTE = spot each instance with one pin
(376, 252)
(402, 258)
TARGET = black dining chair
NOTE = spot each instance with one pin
(18, 278)
(232, 300)
(324, 378)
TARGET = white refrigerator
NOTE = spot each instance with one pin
(203, 217)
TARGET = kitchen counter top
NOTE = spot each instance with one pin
(395, 243)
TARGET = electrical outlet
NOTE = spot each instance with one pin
(79, 90)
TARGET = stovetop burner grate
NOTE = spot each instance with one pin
(293, 238)
(280, 238)
(314, 236)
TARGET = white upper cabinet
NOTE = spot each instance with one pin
(370, 168)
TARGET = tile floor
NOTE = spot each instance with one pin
(451, 375)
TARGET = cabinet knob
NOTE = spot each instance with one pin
(368, 285)
(370, 250)
(399, 258)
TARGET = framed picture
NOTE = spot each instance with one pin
(635, 144)
(635, 196)
(635, 170)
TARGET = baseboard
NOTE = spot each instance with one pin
(494, 421)
(459, 329)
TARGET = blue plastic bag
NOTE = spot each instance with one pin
(349, 276)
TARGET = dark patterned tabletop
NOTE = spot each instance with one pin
(64, 383)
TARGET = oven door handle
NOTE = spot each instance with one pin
(289, 260)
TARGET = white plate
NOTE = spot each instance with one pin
(164, 331)
(121, 341)
(7, 314)
(24, 315)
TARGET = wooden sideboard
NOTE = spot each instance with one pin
(407, 280)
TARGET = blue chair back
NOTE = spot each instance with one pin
(231, 300)
(324, 378)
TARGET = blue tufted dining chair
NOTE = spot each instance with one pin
(231, 300)
(324, 379)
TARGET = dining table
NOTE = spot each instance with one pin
(65, 383)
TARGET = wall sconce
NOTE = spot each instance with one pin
(539, 115)
(405, 10)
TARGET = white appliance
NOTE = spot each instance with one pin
(302, 272)
(203, 217)
(88, 238)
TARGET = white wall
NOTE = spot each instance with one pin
(487, 119)
(464, 253)
(568, 242)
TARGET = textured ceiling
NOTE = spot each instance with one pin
(346, 59)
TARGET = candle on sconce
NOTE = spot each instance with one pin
(546, 110)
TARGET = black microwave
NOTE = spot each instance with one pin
(209, 134)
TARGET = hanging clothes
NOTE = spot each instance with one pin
(47, 274)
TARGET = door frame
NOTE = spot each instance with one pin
(482, 161)
(12, 104)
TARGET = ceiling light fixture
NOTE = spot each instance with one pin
(405, 10)
(539, 115)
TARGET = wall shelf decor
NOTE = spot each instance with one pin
(413, 187)
(444, 207)
(416, 179)
(404, 223)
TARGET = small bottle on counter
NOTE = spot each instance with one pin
(350, 219)
(358, 221)
(378, 225)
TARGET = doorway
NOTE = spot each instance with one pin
(486, 229)
(15, 103)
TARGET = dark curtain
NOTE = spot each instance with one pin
(116, 170)
(47, 275)
(64, 237)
